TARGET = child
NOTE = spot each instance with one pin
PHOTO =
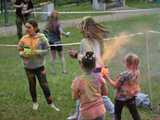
(32, 48)
(127, 86)
(54, 32)
(89, 88)
(94, 34)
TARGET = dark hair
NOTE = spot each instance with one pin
(89, 61)
(34, 24)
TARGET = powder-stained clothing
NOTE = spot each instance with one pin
(127, 85)
(90, 45)
(89, 90)
(39, 44)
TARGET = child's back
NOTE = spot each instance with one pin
(127, 85)
(89, 90)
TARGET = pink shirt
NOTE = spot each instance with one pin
(89, 90)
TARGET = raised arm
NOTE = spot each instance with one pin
(113, 83)
(63, 33)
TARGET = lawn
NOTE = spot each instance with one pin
(85, 6)
(142, 4)
(15, 101)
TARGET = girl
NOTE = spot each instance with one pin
(94, 34)
(127, 86)
(32, 48)
(89, 88)
(54, 32)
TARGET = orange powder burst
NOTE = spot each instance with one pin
(111, 47)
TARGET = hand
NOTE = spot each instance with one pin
(23, 54)
(107, 77)
(24, 12)
(73, 53)
(21, 5)
(67, 34)
(29, 52)
(105, 72)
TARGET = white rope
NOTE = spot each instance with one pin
(95, 12)
(152, 31)
(76, 43)
(7, 45)
(148, 65)
(98, 12)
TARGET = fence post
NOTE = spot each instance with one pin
(146, 36)
(1, 6)
(5, 12)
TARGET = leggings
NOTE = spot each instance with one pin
(41, 75)
(131, 105)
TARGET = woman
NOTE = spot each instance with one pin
(32, 48)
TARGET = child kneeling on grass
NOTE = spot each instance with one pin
(127, 86)
(89, 89)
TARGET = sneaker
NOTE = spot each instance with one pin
(72, 117)
(54, 107)
(35, 106)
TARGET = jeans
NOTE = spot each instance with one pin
(108, 104)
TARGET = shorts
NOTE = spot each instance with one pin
(58, 48)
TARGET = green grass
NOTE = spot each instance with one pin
(86, 6)
(15, 101)
(141, 4)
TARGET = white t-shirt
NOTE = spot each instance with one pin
(94, 46)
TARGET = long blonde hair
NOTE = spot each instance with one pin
(97, 31)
